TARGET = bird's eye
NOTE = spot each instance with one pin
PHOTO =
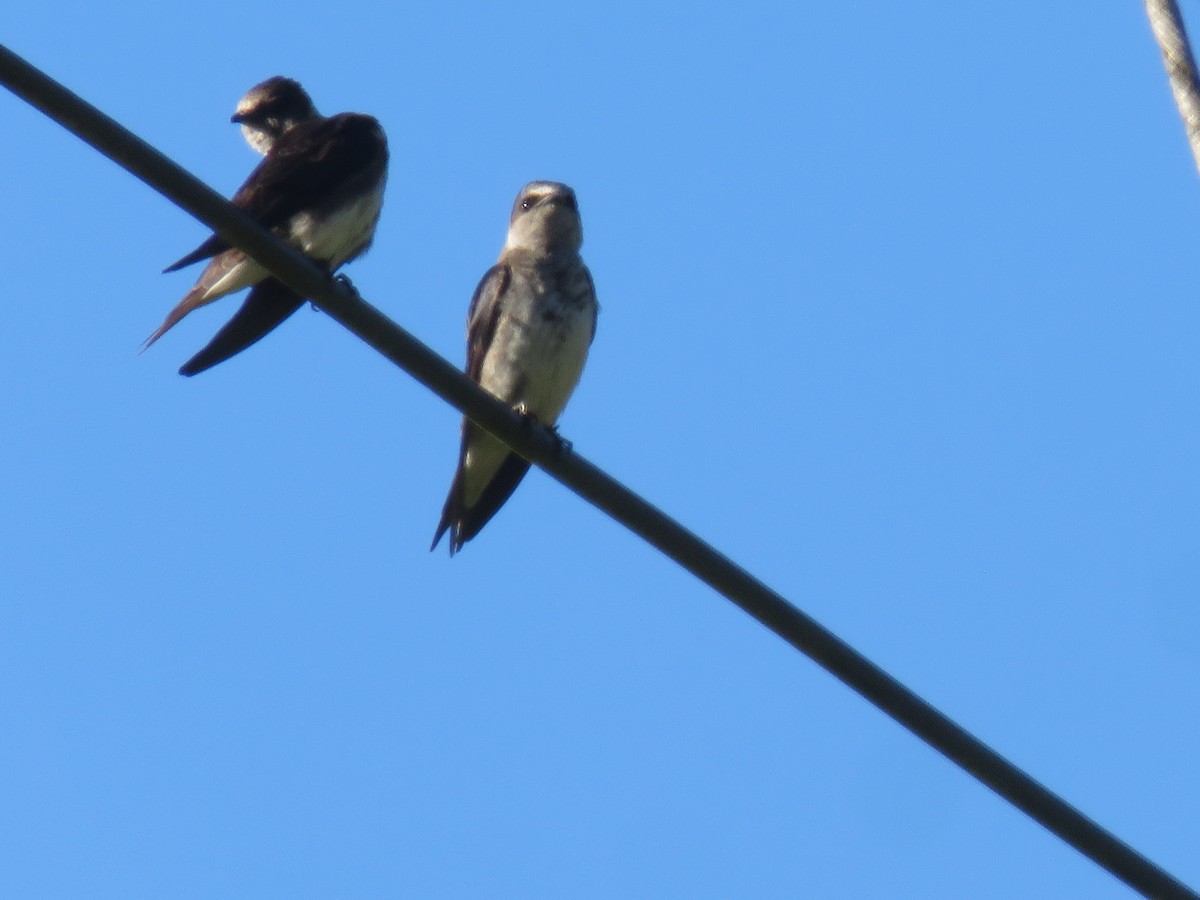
(527, 203)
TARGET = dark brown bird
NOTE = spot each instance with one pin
(320, 188)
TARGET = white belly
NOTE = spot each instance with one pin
(536, 368)
(538, 365)
(340, 235)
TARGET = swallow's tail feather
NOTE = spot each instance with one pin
(193, 299)
(451, 512)
(463, 522)
(267, 305)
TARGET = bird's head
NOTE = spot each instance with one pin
(271, 108)
(545, 220)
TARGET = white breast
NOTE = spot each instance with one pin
(537, 363)
(340, 235)
(553, 364)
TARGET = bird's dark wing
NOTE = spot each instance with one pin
(483, 315)
(309, 168)
(213, 245)
(267, 305)
(595, 304)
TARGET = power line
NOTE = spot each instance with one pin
(340, 301)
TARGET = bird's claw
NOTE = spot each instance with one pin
(343, 283)
(562, 445)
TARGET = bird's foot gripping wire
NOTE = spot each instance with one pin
(343, 283)
(562, 445)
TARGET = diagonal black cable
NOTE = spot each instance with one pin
(341, 302)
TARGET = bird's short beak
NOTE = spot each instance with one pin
(237, 117)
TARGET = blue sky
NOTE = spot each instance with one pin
(898, 310)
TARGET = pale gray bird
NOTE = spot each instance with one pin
(271, 108)
(529, 327)
(319, 187)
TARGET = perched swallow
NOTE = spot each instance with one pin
(320, 188)
(271, 109)
(529, 328)
(265, 113)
